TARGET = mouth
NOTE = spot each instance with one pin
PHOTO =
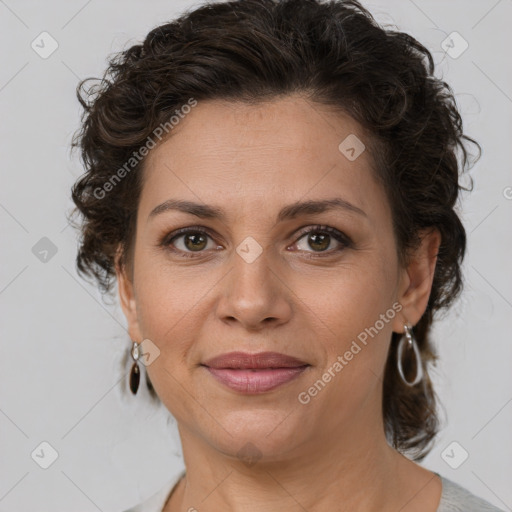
(254, 373)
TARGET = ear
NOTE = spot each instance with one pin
(127, 297)
(416, 279)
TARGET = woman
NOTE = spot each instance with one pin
(272, 186)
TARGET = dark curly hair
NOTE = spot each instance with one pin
(331, 52)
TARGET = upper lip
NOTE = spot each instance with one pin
(245, 360)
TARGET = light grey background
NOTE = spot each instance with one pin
(61, 372)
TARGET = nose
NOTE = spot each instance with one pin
(253, 295)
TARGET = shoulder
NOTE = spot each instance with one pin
(156, 501)
(455, 498)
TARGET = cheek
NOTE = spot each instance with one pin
(349, 316)
(164, 302)
(357, 307)
(167, 307)
(164, 291)
(353, 298)
(171, 310)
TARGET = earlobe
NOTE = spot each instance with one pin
(418, 279)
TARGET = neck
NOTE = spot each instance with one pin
(355, 471)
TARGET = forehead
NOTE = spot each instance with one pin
(274, 151)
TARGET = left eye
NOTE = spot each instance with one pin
(320, 240)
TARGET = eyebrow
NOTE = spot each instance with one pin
(290, 211)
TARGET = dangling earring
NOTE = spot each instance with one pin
(409, 338)
(135, 371)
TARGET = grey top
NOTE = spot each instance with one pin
(454, 498)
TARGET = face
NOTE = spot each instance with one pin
(255, 275)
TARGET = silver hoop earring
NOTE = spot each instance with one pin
(409, 338)
(135, 371)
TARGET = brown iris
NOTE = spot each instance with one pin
(197, 241)
(319, 241)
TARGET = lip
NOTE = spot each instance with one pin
(254, 373)
(259, 360)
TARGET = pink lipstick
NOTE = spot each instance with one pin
(254, 373)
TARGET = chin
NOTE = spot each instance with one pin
(259, 434)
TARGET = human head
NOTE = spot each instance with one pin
(256, 51)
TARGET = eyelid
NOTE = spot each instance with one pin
(166, 239)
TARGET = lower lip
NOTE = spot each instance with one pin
(255, 381)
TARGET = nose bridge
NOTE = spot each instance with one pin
(253, 293)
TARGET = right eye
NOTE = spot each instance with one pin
(188, 241)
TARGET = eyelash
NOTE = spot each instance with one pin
(343, 239)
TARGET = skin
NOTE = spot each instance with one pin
(252, 160)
